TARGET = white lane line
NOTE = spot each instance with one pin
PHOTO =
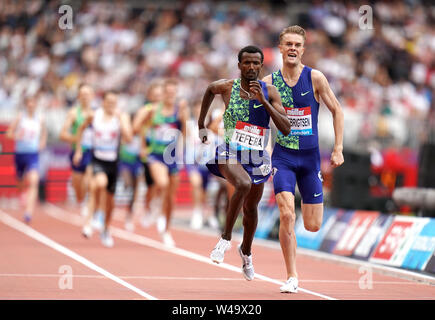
(65, 216)
(408, 275)
(32, 233)
(88, 276)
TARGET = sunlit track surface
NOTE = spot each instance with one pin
(139, 266)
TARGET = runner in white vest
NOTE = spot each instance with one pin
(109, 125)
(30, 135)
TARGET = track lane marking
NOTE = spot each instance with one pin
(32, 233)
(56, 275)
(63, 215)
(49, 275)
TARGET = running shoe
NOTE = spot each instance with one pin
(168, 240)
(213, 222)
(291, 285)
(87, 231)
(27, 217)
(84, 210)
(217, 255)
(247, 266)
(147, 220)
(129, 225)
(161, 224)
(197, 221)
(106, 239)
(98, 220)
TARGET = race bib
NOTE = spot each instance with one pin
(87, 138)
(106, 145)
(248, 136)
(165, 133)
(27, 134)
(300, 121)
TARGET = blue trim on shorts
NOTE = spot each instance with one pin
(155, 157)
(256, 163)
(86, 160)
(25, 162)
(134, 168)
(301, 167)
(202, 170)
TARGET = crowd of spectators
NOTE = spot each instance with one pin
(383, 74)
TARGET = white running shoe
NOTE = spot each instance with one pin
(161, 224)
(129, 225)
(291, 285)
(98, 220)
(247, 266)
(87, 231)
(197, 221)
(147, 220)
(168, 240)
(106, 239)
(84, 210)
(217, 255)
(213, 222)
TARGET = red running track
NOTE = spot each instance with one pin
(33, 260)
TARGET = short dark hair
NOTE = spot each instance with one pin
(250, 49)
(170, 81)
(106, 93)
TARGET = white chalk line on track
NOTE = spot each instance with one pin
(32, 233)
(89, 276)
(63, 215)
(48, 275)
(324, 256)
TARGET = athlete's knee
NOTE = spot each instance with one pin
(33, 178)
(250, 208)
(250, 211)
(242, 186)
(162, 183)
(313, 225)
(287, 219)
(92, 185)
(101, 182)
(287, 213)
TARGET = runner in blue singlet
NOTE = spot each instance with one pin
(296, 158)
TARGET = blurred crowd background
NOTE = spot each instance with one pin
(383, 77)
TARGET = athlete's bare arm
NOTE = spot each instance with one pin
(323, 91)
(43, 136)
(65, 134)
(10, 133)
(214, 123)
(78, 154)
(222, 87)
(268, 79)
(126, 130)
(142, 117)
(183, 116)
(273, 106)
(143, 144)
